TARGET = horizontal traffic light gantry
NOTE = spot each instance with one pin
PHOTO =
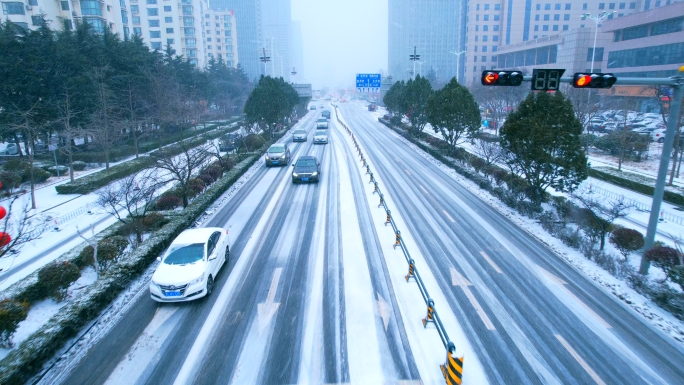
(593, 80)
(501, 78)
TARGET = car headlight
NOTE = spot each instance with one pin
(282, 157)
(294, 174)
(315, 173)
(196, 280)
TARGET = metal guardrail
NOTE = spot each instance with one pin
(452, 369)
(664, 215)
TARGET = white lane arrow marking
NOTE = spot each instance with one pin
(561, 284)
(267, 310)
(580, 360)
(491, 262)
(384, 310)
(457, 279)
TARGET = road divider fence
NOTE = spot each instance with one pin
(452, 369)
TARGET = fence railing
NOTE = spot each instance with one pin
(664, 215)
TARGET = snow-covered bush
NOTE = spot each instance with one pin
(626, 240)
(63, 170)
(154, 221)
(168, 202)
(12, 312)
(196, 185)
(78, 165)
(664, 257)
(109, 251)
(207, 179)
(56, 277)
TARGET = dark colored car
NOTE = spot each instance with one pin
(326, 114)
(277, 155)
(306, 169)
(312, 107)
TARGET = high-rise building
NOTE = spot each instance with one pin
(434, 28)
(249, 32)
(277, 28)
(297, 52)
(220, 38)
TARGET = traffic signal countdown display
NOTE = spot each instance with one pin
(501, 78)
(593, 80)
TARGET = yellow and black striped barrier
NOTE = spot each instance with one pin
(452, 370)
(397, 242)
(381, 201)
(389, 218)
(412, 265)
(430, 317)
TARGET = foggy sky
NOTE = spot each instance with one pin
(341, 38)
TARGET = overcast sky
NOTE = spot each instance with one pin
(341, 38)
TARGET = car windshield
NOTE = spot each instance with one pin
(322, 120)
(306, 163)
(321, 133)
(300, 132)
(184, 254)
(277, 149)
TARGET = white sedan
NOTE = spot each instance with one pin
(189, 267)
(320, 136)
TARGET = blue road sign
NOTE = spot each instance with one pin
(365, 82)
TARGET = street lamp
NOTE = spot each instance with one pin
(414, 58)
(458, 61)
(601, 17)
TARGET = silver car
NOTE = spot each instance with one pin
(299, 136)
(277, 155)
(320, 136)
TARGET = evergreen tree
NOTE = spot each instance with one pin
(453, 113)
(542, 141)
(270, 103)
(393, 99)
(415, 97)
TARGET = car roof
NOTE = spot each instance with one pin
(195, 235)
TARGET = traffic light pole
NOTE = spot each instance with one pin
(677, 84)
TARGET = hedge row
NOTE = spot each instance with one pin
(668, 196)
(94, 181)
(28, 359)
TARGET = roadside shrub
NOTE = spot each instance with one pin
(40, 175)
(63, 170)
(477, 163)
(207, 179)
(395, 120)
(663, 257)
(154, 221)
(9, 180)
(12, 312)
(108, 252)
(214, 170)
(676, 275)
(252, 142)
(56, 277)
(78, 165)
(499, 176)
(626, 240)
(168, 202)
(196, 185)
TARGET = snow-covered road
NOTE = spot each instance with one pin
(314, 292)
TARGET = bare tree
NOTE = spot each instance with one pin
(133, 109)
(22, 224)
(92, 242)
(214, 151)
(601, 212)
(585, 104)
(104, 127)
(129, 200)
(487, 150)
(67, 115)
(181, 168)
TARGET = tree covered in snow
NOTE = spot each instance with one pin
(453, 113)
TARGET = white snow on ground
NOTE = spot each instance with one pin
(658, 317)
(427, 347)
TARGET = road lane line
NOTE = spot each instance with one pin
(449, 216)
(480, 311)
(561, 284)
(580, 360)
(423, 188)
(494, 265)
(457, 279)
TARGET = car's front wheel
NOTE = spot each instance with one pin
(227, 253)
(210, 285)
(661, 140)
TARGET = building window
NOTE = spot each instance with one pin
(191, 43)
(640, 31)
(134, 9)
(496, 28)
(496, 17)
(555, 27)
(477, 38)
(168, 20)
(209, 46)
(226, 33)
(209, 39)
(584, 6)
(495, 38)
(566, 16)
(155, 34)
(547, 7)
(485, 17)
(545, 27)
(207, 24)
(191, 52)
(485, 37)
(486, 7)
(667, 26)
(477, 28)
(156, 45)
(91, 8)
(483, 59)
(227, 25)
(152, 11)
(536, 28)
(218, 25)
(484, 48)
(218, 39)
(566, 27)
(567, 6)
(124, 17)
(154, 23)
(557, 7)
(598, 56)
(632, 5)
(547, 17)
(151, 1)
(622, 6)
(556, 17)
(611, 6)
(167, 8)
(187, 10)
(536, 17)
(36, 20)
(136, 20)
(169, 30)
(189, 31)
(602, 5)
(497, 7)
(218, 47)
(477, 7)
(137, 31)
(65, 5)
(485, 28)
(538, 7)
(229, 48)
(169, 41)
(208, 32)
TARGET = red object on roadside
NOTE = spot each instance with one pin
(3, 212)
(5, 239)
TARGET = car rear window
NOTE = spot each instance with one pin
(306, 163)
(322, 120)
(184, 254)
(321, 132)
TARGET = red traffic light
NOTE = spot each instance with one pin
(593, 80)
(501, 78)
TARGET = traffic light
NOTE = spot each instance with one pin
(593, 80)
(501, 78)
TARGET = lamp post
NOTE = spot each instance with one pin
(598, 19)
(414, 58)
(265, 59)
(458, 61)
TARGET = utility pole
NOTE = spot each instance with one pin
(458, 62)
(601, 17)
(265, 59)
(414, 58)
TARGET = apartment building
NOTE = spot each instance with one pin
(220, 36)
(99, 14)
(249, 32)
